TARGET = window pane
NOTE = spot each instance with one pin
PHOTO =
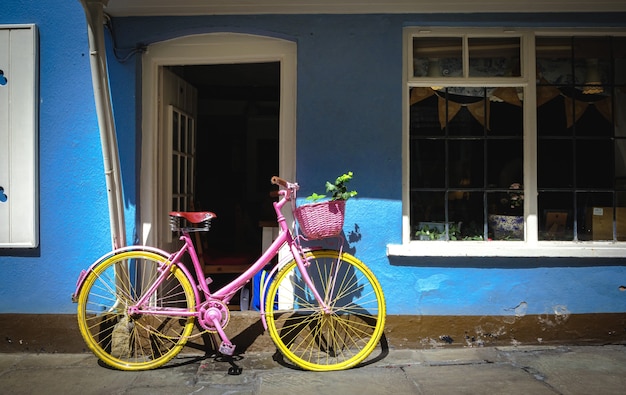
(620, 216)
(190, 170)
(555, 163)
(175, 174)
(620, 111)
(581, 65)
(505, 163)
(595, 209)
(465, 209)
(594, 164)
(182, 175)
(191, 139)
(183, 133)
(506, 214)
(466, 163)
(619, 56)
(554, 60)
(437, 57)
(556, 216)
(508, 201)
(594, 119)
(424, 113)
(175, 131)
(426, 207)
(506, 117)
(466, 114)
(494, 57)
(592, 63)
(428, 163)
(620, 164)
(551, 117)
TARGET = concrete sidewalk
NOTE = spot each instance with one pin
(489, 370)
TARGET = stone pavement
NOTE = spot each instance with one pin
(490, 370)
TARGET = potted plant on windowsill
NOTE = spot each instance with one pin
(437, 231)
(320, 219)
(507, 222)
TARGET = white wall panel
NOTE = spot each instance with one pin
(19, 201)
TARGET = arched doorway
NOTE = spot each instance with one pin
(200, 51)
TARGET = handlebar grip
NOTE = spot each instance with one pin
(279, 181)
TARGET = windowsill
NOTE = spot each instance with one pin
(546, 249)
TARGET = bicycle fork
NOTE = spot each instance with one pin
(299, 255)
(303, 263)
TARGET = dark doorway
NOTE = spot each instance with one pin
(236, 152)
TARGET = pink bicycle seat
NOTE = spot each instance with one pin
(195, 217)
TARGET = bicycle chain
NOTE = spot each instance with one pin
(161, 335)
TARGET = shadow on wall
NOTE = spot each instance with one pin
(334, 243)
(501, 262)
(22, 252)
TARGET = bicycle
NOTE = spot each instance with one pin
(137, 305)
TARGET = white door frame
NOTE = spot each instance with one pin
(211, 48)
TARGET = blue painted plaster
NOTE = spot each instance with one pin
(349, 97)
(74, 224)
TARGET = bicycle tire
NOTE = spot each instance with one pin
(316, 340)
(143, 341)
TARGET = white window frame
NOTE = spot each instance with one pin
(530, 246)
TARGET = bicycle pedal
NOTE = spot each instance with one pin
(227, 349)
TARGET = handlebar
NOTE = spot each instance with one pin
(289, 188)
(284, 183)
(279, 181)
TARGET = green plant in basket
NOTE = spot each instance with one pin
(338, 190)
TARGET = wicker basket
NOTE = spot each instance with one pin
(320, 220)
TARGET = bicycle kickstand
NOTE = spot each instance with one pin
(234, 370)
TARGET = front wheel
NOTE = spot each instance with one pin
(318, 340)
(139, 341)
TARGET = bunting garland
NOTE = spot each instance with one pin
(574, 109)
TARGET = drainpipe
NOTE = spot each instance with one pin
(94, 13)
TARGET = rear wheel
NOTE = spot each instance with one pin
(317, 340)
(141, 341)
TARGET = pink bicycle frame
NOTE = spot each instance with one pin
(225, 293)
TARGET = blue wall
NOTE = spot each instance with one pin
(74, 224)
(348, 118)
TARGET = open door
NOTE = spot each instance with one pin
(237, 153)
(243, 162)
(239, 143)
(177, 131)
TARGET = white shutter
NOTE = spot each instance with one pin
(19, 219)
